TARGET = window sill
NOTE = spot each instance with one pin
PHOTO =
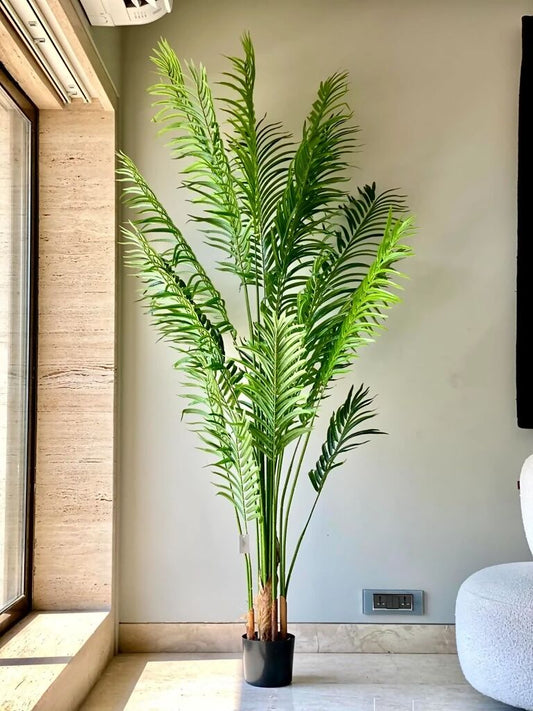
(51, 660)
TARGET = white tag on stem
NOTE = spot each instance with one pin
(244, 543)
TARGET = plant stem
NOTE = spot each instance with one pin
(289, 504)
(300, 462)
(273, 528)
(300, 539)
(264, 548)
(282, 526)
(267, 532)
(248, 310)
(285, 581)
(283, 617)
(250, 624)
(288, 476)
(257, 301)
(274, 619)
(261, 527)
(249, 581)
(247, 561)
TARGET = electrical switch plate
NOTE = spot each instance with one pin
(393, 602)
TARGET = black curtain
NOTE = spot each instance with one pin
(524, 326)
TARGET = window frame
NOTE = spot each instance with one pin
(23, 604)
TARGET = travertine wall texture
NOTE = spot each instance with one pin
(75, 456)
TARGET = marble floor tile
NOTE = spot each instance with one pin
(322, 682)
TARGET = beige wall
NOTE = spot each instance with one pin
(108, 42)
(74, 502)
(434, 87)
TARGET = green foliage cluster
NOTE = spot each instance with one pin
(316, 269)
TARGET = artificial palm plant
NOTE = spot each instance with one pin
(315, 267)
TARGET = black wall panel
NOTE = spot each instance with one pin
(524, 333)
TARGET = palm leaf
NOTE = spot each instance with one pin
(363, 315)
(343, 435)
(151, 217)
(188, 113)
(342, 267)
(275, 380)
(212, 382)
(312, 192)
(261, 155)
(225, 433)
(176, 315)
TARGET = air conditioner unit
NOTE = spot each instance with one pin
(110, 13)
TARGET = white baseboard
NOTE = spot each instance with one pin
(310, 637)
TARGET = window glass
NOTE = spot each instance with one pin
(15, 240)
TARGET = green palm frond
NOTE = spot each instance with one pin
(363, 315)
(336, 275)
(225, 433)
(188, 114)
(274, 361)
(313, 189)
(316, 269)
(344, 434)
(151, 216)
(261, 154)
(241, 471)
(212, 381)
(176, 315)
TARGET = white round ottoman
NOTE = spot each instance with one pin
(494, 627)
(494, 620)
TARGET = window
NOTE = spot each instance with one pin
(17, 346)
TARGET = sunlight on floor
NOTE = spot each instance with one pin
(37, 651)
(360, 682)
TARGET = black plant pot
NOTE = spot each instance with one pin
(268, 663)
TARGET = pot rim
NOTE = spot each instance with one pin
(289, 638)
